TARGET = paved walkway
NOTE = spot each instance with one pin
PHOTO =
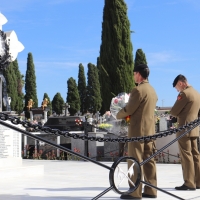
(64, 180)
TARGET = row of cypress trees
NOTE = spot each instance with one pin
(112, 74)
(83, 98)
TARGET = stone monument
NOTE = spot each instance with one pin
(10, 147)
(10, 140)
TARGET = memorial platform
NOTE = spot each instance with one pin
(79, 180)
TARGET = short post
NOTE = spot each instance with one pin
(58, 143)
(45, 116)
(86, 153)
(25, 145)
(31, 115)
(36, 147)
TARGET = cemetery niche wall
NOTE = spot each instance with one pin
(10, 147)
(10, 141)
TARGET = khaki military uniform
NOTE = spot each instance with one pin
(186, 110)
(140, 107)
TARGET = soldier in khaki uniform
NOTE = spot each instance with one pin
(140, 107)
(186, 109)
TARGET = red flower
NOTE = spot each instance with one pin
(116, 101)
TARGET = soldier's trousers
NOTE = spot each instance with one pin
(141, 151)
(190, 161)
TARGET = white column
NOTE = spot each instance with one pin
(35, 150)
(31, 115)
(25, 145)
(58, 143)
(45, 116)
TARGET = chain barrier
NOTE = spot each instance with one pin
(116, 165)
(37, 127)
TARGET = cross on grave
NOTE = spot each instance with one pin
(66, 106)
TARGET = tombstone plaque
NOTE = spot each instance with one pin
(10, 147)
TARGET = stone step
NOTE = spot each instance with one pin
(22, 171)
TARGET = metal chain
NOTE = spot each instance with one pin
(37, 127)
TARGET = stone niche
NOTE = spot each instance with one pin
(95, 148)
(10, 147)
(171, 153)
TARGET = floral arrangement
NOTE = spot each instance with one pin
(104, 125)
(117, 103)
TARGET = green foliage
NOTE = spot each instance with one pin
(82, 88)
(49, 104)
(116, 58)
(93, 100)
(140, 57)
(20, 84)
(30, 83)
(11, 81)
(57, 103)
(15, 83)
(73, 98)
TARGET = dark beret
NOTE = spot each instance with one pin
(139, 67)
(176, 80)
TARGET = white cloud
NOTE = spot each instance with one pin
(11, 5)
(158, 58)
(194, 3)
(50, 67)
(130, 4)
(54, 2)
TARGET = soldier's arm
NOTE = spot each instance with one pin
(179, 104)
(132, 105)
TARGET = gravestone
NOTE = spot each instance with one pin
(95, 148)
(111, 149)
(171, 153)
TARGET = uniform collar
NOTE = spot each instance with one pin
(186, 87)
(144, 81)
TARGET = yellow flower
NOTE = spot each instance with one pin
(103, 125)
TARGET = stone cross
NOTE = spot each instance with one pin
(66, 106)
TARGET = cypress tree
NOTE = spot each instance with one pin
(49, 104)
(30, 84)
(20, 84)
(82, 89)
(93, 100)
(11, 81)
(57, 103)
(140, 57)
(116, 58)
(73, 98)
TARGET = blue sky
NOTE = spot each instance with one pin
(63, 33)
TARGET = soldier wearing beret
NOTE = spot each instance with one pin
(140, 107)
(186, 109)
